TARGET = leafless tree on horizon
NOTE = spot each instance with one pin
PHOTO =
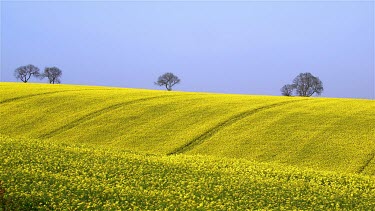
(24, 73)
(53, 74)
(168, 80)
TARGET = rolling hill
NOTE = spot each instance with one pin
(87, 147)
(319, 133)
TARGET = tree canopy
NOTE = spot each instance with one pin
(305, 85)
(53, 74)
(168, 80)
(24, 73)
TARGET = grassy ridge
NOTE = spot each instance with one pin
(319, 133)
(46, 175)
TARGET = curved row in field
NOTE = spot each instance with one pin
(319, 133)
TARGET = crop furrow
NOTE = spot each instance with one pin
(362, 168)
(209, 133)
(92, 115)
(43, 93)
(29, 96)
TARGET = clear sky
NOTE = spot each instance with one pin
(249, 47)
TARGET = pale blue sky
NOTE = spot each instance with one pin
(228, 47)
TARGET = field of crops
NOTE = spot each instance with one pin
(85, 147)
(46, 175)
(324, 134)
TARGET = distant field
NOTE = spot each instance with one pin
(80, 146)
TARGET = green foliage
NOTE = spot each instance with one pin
(46, 175)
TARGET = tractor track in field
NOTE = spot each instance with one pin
(231, 120)
(362, 168)
(43, 93)
(93, 115)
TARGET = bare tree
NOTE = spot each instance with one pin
(53, 74)
(306, 85)
(168, 80)
(287, 90)
(24, 73)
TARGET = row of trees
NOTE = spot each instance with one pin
(24, 73)
(304, 85)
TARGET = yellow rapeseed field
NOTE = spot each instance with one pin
(45, 175)
(86, 147)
